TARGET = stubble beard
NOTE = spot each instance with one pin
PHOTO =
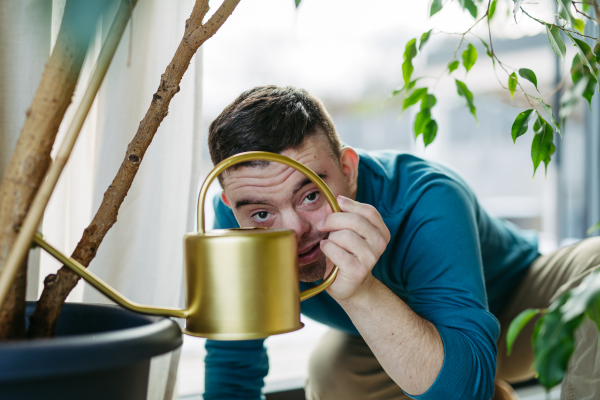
(314, 271)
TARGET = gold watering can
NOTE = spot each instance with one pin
(240, 283)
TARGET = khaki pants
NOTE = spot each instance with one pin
(343, 367)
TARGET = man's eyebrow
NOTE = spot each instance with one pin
(299, 186)
(245, 202)
(306, 182)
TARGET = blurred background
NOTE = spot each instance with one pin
(349, 53)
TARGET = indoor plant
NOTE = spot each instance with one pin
(26, 188)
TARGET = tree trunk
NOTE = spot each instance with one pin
(31, 156)
(57, 287)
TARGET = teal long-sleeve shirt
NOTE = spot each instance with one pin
(450, 261)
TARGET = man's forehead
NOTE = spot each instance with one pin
(314, 153)
(273, 176)
(263, 170)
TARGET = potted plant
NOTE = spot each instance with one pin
(99, 351)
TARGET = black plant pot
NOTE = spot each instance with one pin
(100, 352)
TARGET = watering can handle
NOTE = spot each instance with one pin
(274, 157)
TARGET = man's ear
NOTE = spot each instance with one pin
(349, 163)
(225, 199)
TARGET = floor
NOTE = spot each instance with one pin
(530, 393)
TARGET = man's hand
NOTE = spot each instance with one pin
(358, 237)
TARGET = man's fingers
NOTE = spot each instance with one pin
(354, 244)
(338, 255)
(369, 212)
(356, 223)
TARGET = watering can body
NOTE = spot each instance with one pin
(240, 283)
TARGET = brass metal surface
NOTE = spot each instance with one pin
(243, 283)
(104, 287)
(273, 157)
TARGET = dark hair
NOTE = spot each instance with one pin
(270, 118)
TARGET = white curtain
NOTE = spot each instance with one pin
(24, 49)
(141, 256)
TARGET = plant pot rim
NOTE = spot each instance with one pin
(123, 337)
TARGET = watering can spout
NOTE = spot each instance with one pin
(240, 283)
(105, 288)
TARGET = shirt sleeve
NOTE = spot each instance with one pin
(443, 275)
(233, 369)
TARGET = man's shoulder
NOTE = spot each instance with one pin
(224, 218)
(391, 178)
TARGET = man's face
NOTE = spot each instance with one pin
(278, 196)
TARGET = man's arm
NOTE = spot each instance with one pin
(235, 369)
(445, 341)
(408, 347)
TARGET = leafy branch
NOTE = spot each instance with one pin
(553, 340)
(584, 71)
(553, 336)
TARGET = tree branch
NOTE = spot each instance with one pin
(562, 28)
(57, 287)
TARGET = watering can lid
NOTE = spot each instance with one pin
(244, 232)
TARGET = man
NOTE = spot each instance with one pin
(425, 274)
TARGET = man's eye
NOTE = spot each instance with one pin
(311, 198)
(261, 216)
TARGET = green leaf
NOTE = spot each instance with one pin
(548, 110)
(516, 8)
(421, 120)
(579, 25)
(435, 7)
(593, 229)
(517, 326)
(492, 9)
(463, 91)
(556, 42)
(452, 66)
(400, 90)
(587, 50)
(487, 50)
(530, 76)
(409, 53)
(469, 57)
(571, 97)
(298, 3)
(470, 6)
(424, 38)
(586, 56)
(428, 101)
(593, 313)
(586, 294)
(579, 71)
(430, 132)
(414, 98)
(542, 147)
(564, 10)
(512, 84)
(536, 331)
(521, 124)
(590, 88)
(553, 347)
(597, 52)
(585, 6)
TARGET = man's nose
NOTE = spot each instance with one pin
(293, 220)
